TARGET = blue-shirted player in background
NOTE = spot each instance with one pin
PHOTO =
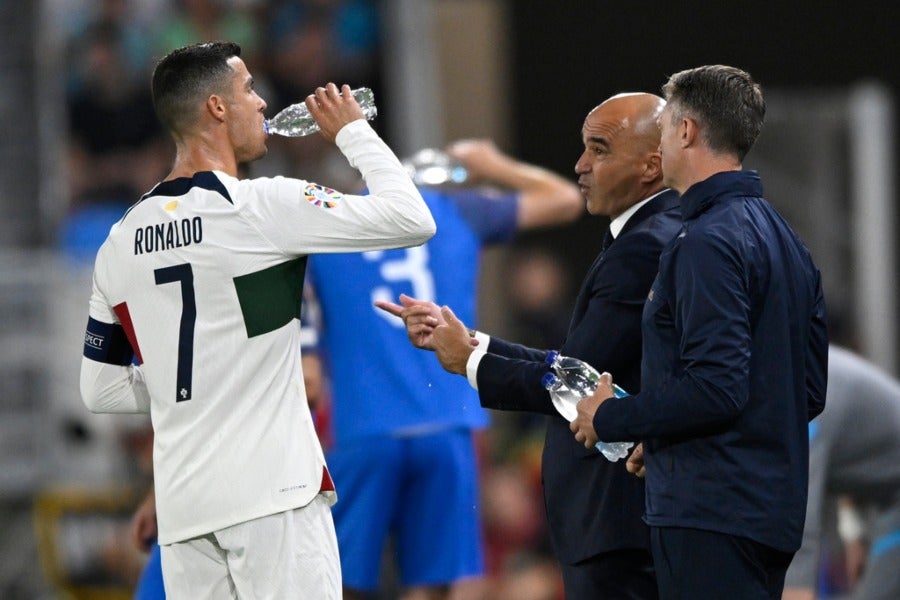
(403, 457)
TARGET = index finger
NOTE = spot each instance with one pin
(389, 307)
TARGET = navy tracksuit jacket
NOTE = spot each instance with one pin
(734, 366)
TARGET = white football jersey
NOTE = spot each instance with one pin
(204, 277)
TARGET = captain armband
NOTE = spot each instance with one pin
(107, 343)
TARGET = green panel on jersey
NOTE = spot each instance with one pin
(272, 297)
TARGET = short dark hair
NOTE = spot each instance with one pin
(726, 103)
(185, 77)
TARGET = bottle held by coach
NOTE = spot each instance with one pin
(295, 120)
(573, 379)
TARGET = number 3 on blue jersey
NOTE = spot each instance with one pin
(185, 275)
(412, 267)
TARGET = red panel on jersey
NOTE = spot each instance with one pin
(327, 482)
(128, 326)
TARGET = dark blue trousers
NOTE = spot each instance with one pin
(693, 564)
(617, 575)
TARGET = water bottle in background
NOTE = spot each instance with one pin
(295, 120)
(435, 167)
(573, 379)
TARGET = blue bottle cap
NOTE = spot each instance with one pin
(551, 356)
(548, 380)
(619, 392)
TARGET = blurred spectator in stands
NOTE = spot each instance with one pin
(540, 295)
(133, 19)
(513, 515)
(116, 147)
(307, 43)
(318, 40)
(194, 21)
(530, 576)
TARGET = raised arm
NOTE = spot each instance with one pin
(545, 198)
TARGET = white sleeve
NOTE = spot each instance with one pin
(472, 366)
(112, 388)
(301, 217)
(107, 386)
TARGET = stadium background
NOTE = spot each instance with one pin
(521, 72)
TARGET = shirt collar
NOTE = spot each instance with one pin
(617, 224)
(702, 194)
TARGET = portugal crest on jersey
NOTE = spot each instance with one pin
(319, 195)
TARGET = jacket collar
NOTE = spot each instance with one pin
(700, 196)
(664, 200)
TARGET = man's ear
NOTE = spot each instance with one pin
(652, 167)
(688, 132)
(215, 106)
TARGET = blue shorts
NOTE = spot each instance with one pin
(150, 585)
(421, 490)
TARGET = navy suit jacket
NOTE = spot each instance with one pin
(592, 505)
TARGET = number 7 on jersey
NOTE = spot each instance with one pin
(184, 274)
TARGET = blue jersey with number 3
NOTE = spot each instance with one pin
(380, 383)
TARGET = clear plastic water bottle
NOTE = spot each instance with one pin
(295, 120)
(564, 399)
(573, 379)
(435, 167)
